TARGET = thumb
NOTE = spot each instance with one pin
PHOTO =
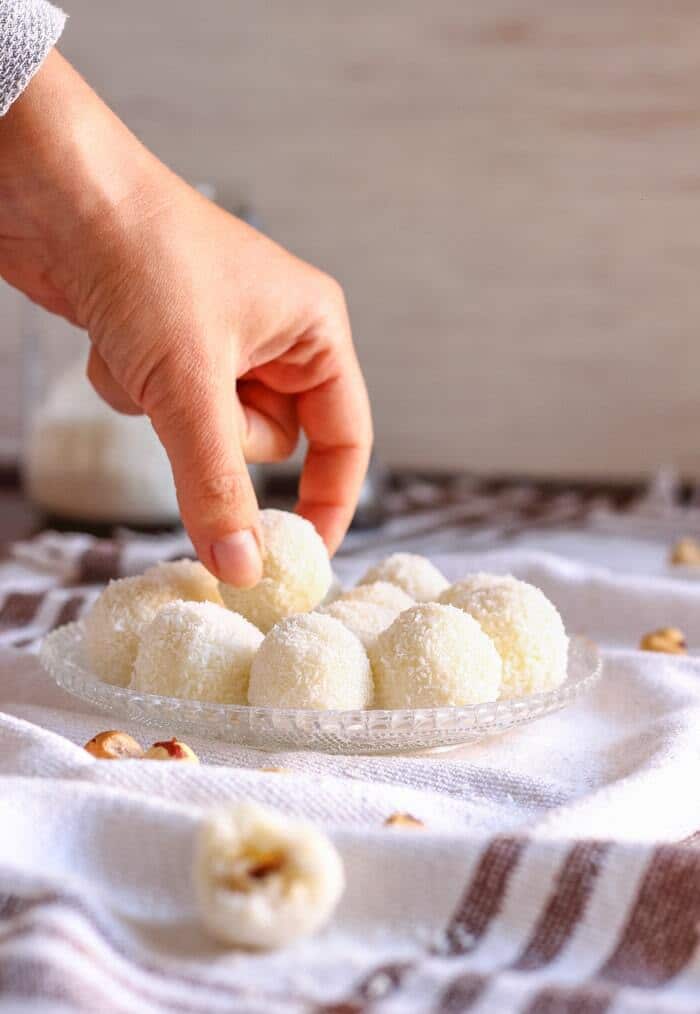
(195, 416)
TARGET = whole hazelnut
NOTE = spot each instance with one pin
(686, 552)
(670, 640)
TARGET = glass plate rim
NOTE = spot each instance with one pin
(211, 709)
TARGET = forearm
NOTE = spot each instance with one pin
(69, 168)
(28, 31)
(180, 301)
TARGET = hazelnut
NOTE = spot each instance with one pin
(686, 552)
(171, 749)
(113, 745)
(403, 820)
(667, 639)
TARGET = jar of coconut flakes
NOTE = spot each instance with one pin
(82, 462)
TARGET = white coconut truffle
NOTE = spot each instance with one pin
(189, 579)
(296, 572)
(335, 590)
(430, 658)
(196, 650)
(381, 593)
(311, 661)
(365, 619)
(116, 621)
(416, 575)
(523, 624)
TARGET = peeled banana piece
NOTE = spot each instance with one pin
(264, 880)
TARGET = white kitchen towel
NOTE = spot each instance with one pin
(556, 871)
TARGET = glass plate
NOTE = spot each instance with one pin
(373, 731)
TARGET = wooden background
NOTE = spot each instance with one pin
(508, 190)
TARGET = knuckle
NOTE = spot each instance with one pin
(216, 499)
(330, 299)
(92, 372)
(334, 291)
(172, 376)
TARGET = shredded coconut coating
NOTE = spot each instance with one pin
(430, 658)
(311, 661)
(198, 651)
(523, 624)
(296, 572)
(189, 579)
(416, 575)
(335, 590)
(382, 593)
(116, 621)
(365, 619)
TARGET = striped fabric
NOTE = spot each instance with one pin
(607, 928)
(525, 921)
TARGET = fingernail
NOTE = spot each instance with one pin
(237, 559)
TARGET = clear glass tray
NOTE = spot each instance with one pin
(373, 731)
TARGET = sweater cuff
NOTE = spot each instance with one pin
(29, 29)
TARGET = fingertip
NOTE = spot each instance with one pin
(237, 559)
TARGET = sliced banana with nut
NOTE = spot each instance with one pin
(263, 879)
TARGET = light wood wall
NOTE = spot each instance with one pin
(508, 190)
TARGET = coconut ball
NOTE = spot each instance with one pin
(114, 625)
(196, 650)
(189, 579)
(311, 661)
(365, 619)
(523, 624)
(335, 590)
(430, 658)
(416, 575)
(381, 593)
(296, 572)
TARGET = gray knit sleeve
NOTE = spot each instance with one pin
(28, 30)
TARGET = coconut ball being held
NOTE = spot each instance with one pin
(296, 572)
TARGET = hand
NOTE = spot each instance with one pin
(225, 340)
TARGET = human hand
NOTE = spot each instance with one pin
(228, 342)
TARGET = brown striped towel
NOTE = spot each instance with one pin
(558, 871)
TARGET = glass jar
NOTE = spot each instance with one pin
(82, 462)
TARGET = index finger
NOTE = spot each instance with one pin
(338, 424)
